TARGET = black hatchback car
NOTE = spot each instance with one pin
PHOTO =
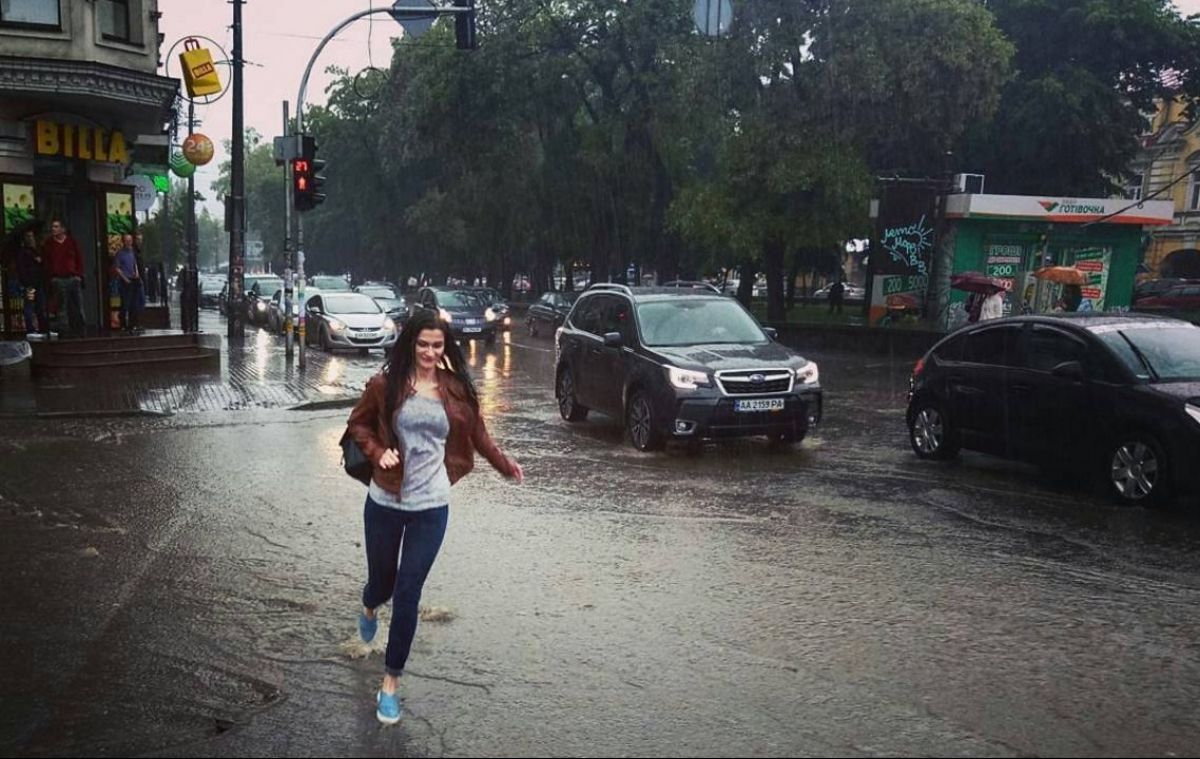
(681, 364)
(1112, 396)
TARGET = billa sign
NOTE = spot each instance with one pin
(83, 142)
(199, 74)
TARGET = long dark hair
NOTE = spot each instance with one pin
(403, 360)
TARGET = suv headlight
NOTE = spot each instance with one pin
(490, 314)
(445, 315)
(687, 380)
(809, 374)
(260, 305)
(389, 325)
(1193, 411)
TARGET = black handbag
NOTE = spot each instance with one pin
(355, 462)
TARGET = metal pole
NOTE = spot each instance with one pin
(237, 234)
(303, 320)
(189, 300)
(288, 256)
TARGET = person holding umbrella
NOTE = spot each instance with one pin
(985, 299)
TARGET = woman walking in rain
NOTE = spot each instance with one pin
(418, 422)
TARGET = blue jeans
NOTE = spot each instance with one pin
(414, 537)
(129, 303)
(35, 311)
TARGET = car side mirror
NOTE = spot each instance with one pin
(771, 332)
(613, 340)
(1069, 370)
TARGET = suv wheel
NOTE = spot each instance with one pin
(1138, 471)
(639, 423)
(930, 433)
(568, 405)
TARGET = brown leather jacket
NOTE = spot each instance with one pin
(371, 428)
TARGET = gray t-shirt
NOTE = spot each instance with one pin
(422, 428)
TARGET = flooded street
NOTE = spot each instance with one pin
(187, 585)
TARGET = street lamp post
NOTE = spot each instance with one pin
(419, 19)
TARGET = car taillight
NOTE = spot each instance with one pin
(920, 367)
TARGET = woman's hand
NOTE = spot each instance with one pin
(389, 459)
(518, 473)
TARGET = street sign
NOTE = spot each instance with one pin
(411, 15)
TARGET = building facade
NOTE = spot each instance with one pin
(81, 109)
(1170, 152)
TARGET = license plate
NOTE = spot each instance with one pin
(472, 329)
(759, 404)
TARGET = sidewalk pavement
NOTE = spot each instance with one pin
(256, 375)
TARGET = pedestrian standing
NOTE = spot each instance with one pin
(32, 277)
(127, 270)
(993, 306)
(837, 293)
(64, 268)
(419, 423)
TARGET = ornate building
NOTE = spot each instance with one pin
(81, 107)
(1170, 156)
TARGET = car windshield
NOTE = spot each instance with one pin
(688, 321)
(459, 299)
(1159, 352)
(265, 287)
(488, 296)
(391, 304)
(377, 291)
(350, 303)
(331, 283)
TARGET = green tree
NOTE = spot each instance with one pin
(1088, 71)
(266, 186)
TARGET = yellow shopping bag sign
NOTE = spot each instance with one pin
(199, 74)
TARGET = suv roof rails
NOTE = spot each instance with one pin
(693, 284)
(611, 286)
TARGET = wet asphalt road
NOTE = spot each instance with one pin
(187, 586)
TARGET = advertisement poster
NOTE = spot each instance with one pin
(18, 209)
(1095, 263)
(902, 254)
(119, 221)
(18, 205)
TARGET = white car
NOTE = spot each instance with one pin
(348, 320)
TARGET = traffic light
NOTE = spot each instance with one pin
(464, 25)
(306, 176)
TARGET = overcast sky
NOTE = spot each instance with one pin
(279, 36)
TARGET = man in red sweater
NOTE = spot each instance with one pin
(64, 268)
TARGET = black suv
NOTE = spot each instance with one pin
(677, 363)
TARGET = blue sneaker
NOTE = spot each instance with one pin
(367, 627)
(389, 707)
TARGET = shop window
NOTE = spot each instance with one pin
(30, 13)
(114, 19)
